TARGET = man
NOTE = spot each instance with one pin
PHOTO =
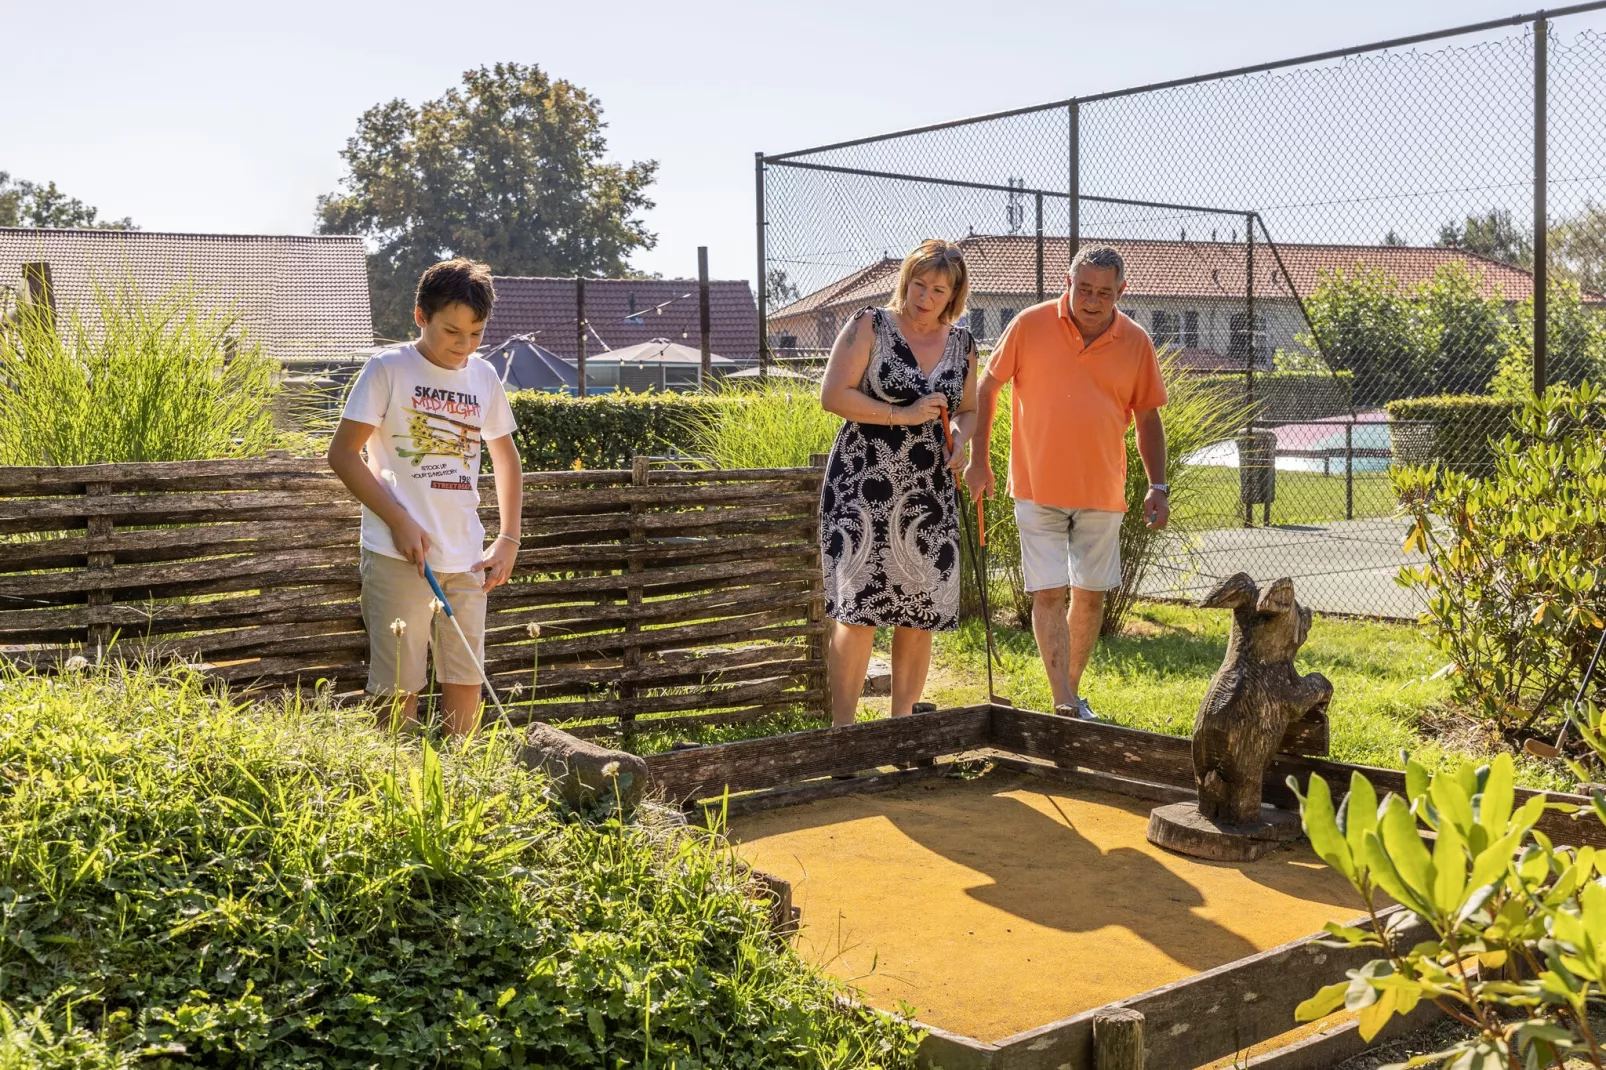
(1082, 372)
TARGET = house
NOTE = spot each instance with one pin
(1188, 294)
(621, 313)
(304, 299)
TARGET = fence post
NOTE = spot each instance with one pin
(1249, 356)
(763, 278)
(1541, 191)
(633, 597)
(1349, 469)
(98, 533)
(1040, 292)
(1076, 181)
(705, 377)
(580, 331)
(819, 645)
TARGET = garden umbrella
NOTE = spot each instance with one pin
(523, 365)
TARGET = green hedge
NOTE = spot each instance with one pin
(1453, 429)
(1290, 395)
(558, 431)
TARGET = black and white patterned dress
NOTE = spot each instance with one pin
(889, 512)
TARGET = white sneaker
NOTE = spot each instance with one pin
(1084, 712)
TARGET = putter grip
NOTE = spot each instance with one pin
(435, 585)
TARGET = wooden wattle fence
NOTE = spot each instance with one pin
(663, 597)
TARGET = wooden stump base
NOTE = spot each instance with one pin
(1182, 828)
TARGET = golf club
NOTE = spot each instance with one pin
(978, 557)
(429, 574)
(1540, 749)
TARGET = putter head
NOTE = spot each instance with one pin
(1540, 749)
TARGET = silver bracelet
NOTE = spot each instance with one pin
(509, 538)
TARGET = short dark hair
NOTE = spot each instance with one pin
(458, 281)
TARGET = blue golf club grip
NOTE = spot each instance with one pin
(435, 585)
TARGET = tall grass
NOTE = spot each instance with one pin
(140, 379)
(188, 881)
(780, 425)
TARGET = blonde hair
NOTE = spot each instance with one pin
(935, 255)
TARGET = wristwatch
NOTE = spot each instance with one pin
(1163, 488)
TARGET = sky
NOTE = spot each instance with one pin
(230, 117)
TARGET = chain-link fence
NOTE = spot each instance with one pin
(1335, 244)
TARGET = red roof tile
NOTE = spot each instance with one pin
(1006, 264)
(665, 308)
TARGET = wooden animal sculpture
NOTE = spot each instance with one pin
(1253, 698)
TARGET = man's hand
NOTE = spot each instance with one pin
(498, 563)
(1156, 509)
(979, 475)
(411, 540)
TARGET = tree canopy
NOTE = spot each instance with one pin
(29, 204)
(507, 168)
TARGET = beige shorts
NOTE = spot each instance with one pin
(393, 590)
(1069, 547)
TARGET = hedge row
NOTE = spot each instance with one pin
(559, 431)
(1454, 430)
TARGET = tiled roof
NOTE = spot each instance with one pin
(665, 308)
(1007, 264)
(302, 297)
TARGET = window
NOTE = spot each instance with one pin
(633, 317)
(978, 322)
(602, 376)
(1238, 339)
(1163, 328)
(1190, 329)
(1004, 316)
(682, 377)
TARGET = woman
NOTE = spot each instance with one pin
(889, 523)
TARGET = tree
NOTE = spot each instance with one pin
(1578, 248)
(1575, 343)
(1492, 234)
(1392, 238)
(506, 169)
(1466, 331)
(779, 289)
(1367, 325)
(28, 204)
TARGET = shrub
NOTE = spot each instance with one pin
(1289, 395)
(148, 380)
(1458, 432)
(192, 882)
(558, 431)
(780, 425)
(1516, 560)
(1575, 339)
(1513, 945)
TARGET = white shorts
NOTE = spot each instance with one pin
(1069, 547)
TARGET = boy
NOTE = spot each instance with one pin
(423, 411)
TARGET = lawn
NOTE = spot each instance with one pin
(1390, 697)
(1302, 497)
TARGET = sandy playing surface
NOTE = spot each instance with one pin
(1007, 902)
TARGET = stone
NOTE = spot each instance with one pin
(878, 680)
(583, 773)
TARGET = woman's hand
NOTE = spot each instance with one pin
(923, 411)
(956, 456)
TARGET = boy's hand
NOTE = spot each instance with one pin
(412, 541)
(498, 563)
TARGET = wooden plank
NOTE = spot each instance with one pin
(1561, 828)
(676, 724)
(1094, 745)
(1327, 1049)
(555, 502)
(556, 623)
(765, 690)
(1207, 1016)
(815, 790)
(100, 567)
(124, 577)
(739, 475)
(158, 508)
(779, 540)
(33, 479)
(530, 590)
(942, 1050)
(614, 643)
(764, 763)
(773, 660)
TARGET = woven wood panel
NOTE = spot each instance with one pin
(670, 596)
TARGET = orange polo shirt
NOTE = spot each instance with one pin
(1072, 405)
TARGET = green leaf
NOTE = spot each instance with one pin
(1498, 796)
(1321, 826)
(1360, 813)
(1449, 870)
(1388, 878)
(1376, 1016)
(1329, 999)
(1409, 858)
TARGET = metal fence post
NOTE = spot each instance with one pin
(1076, 179)
(1249, 357)
(763, 278)
(1349, 469)
(706, 376)
(1541, 213)
(580, 332)
(1040, 291)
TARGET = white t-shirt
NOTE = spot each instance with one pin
(430, 424)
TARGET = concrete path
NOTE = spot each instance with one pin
(1343, 567)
